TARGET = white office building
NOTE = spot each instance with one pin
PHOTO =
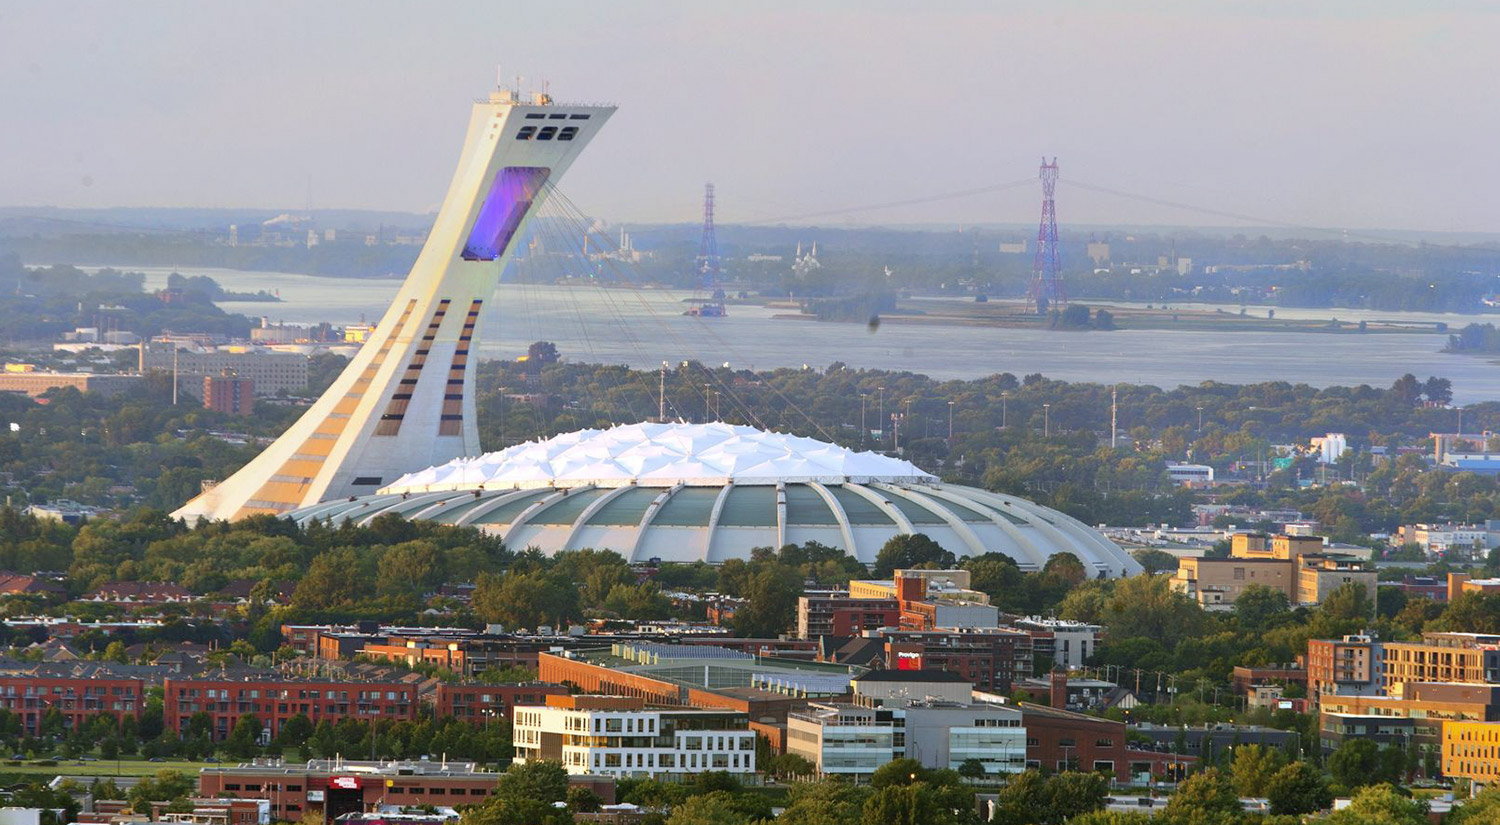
(853, 741)
(619, 736)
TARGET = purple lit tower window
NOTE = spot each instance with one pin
(509, 198)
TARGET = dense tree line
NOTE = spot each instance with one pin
(39, 304)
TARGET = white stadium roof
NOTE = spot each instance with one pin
(714, 492)
(662, 455)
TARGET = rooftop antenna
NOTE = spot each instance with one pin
(499, 77)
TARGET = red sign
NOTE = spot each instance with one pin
(344, 783)
(908, 661)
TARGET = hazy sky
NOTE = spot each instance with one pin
(1359, 114)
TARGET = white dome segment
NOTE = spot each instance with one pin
(657, 455)
(714, 492)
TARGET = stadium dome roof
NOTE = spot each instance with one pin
(713, 492)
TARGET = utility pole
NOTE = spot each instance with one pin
(863, 431)
(1004, 398)
(661, 395)
(881, 416)
(1046, 420)
(175, 350)
(950, 422)
(706, 409)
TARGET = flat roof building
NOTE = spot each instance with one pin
(619, 736)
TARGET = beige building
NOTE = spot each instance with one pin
(1471, 658)
(272, 372)
(1294, 565)
(35, 383)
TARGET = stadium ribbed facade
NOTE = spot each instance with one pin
(714, 492)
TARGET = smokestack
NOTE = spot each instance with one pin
(1059, 684)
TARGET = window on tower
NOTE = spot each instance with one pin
(505, 206)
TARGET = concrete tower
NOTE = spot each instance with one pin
(406, 401)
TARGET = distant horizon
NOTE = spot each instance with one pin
(1356, 235)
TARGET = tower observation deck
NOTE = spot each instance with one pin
(406, 400)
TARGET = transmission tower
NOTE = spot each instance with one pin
(708, 247)
(1047, 289)
(708, 300)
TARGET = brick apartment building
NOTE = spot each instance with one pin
(78, 699)
(843, 615)
(991, 658)
(482, 705)
(273, 701)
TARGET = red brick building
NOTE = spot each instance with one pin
(481, 705)
(329, 789)
(78, 699)
(228, 394)
(991, 658)
(1058, 740)
(841, 615)
(273, 701)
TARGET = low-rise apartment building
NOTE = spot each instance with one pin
(78, 699)
(992, 659)
(273, 701)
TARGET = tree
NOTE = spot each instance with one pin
(908, 551)
(1030, 798)
(1355, 763)
(525, 795)
(789, 764)
(1204, 798)
(1438, 390)
(516, 599)
(1258, 606)
(971, 769)
(721, 808)
(330, 581)
(583, 800)
(542, 352)
(1252, 768)
(825, 803)
(244, 737)
(1407, 389)
(904, 771)
(542, 780)
(1380, 805)
(1147, 606)
(1297, 789)
(914, 804)
(771, 595)
(1483, 809)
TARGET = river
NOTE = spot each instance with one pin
(642, 328)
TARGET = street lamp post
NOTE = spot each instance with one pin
(1046, 420)
(880, 410)
(863, 431)
(950, 421)
(1200, 419)
(1004, 397)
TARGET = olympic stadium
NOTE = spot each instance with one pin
(713, 492)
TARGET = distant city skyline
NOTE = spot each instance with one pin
(1353, 115)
